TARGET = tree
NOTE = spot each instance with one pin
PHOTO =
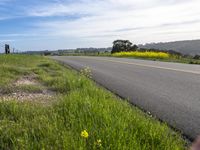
(121, 45)
(134, 48)
(196, 57)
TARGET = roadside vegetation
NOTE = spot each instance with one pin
(158, 55)
(82, 115)
(124, 48)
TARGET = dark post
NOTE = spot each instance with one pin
(7, 49)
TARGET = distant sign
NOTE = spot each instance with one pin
(7, 49)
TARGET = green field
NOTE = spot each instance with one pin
(78, 105)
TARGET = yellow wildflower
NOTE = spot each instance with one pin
(98, 143)
(160, 55)
(84, 134)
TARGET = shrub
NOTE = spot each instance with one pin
(158, 55)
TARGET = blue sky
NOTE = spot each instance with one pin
(57, 24)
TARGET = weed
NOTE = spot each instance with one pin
(109, 122)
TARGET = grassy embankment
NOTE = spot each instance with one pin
(111, 123)
(160, 56)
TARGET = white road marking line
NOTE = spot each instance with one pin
(150, 66)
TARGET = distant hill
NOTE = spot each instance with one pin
(69, 51)
(190, 47)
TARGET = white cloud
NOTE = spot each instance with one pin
(124, 18)
(99, 22)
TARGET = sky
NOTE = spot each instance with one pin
(60, 24)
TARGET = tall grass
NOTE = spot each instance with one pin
(137, 54)
(13, 66)
(81, 105)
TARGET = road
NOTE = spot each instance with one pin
(169, 91)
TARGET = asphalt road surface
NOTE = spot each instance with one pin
(170, 91)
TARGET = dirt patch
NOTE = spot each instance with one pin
(27, 80)
(32, 97)
(28, 88)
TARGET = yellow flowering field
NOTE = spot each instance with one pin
(159, 55)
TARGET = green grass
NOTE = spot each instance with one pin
(81, 106)
(11, 67)
(30, 88)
